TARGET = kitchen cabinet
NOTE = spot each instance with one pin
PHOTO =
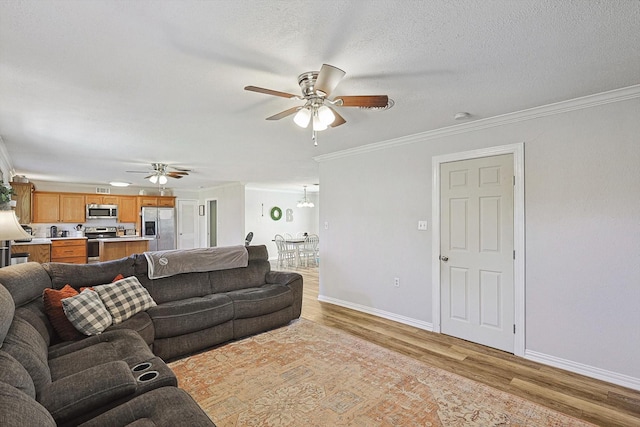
(128, 209)
(37, 253)
(119, 248)
(58, 207)
(73, 251)
(22, 194)
(98, 199)
(156, 201)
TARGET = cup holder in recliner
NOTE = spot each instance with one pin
(141, 367)
(148, 376)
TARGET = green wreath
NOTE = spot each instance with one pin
(276, 213)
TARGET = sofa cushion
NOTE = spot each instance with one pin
(141, 323)
(14, 374)
(7, 309)
(124, 345)
(79, 275)
(25, 282)
(124, 298)
(189, 315)
(254, 302)
(25, 344)
(52, 300)
(19, 410)
(33, 313)
(87, 312)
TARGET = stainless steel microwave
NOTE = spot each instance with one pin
(102, 211)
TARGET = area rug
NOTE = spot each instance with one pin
(306, 374)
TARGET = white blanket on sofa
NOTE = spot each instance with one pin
(169, 263)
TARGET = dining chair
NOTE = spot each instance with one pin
(286, 256)
(310, 249)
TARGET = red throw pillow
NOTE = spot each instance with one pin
(52, 299)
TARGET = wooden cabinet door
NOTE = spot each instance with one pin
(110, 200)
(93, 199)
(22, 195)
(37, 253)
(72, 208)
(128, 209)
(46, 207)
(166, 202)
(148, 201)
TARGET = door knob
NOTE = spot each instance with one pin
(444, 258)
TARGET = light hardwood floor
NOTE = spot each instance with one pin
(592, 400)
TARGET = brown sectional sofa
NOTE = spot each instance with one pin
(101, 380)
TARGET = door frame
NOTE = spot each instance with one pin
(518, 233)
(208, 221)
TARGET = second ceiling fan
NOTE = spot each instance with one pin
(319, 109)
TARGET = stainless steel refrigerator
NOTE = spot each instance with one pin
(159, 224)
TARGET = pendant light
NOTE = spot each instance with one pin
(305, 203)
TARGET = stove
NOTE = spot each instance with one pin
(93, 234)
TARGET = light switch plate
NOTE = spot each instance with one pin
(422, 225)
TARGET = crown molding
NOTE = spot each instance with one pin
(589, 101)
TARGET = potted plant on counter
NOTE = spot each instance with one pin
(5, 197)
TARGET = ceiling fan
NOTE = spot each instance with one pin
(160, 173)
(318, 108)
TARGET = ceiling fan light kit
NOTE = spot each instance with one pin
(316, 87)
(160, 174)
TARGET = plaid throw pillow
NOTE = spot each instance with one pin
(125, 298)
(87, 313)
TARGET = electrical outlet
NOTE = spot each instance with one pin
(326, 225)
(396, 282)
(422, 225)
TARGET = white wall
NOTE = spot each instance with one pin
(230, 214)
(258, 205)
(582, 203)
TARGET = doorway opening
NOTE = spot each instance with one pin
(212, 223)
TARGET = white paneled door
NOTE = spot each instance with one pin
(476, 250)
(187, 224)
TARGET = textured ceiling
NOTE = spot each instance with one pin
(91, 89)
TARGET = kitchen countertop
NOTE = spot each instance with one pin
(124, 239)
(34, 241)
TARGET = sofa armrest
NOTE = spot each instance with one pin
(293, 281)
(282, 277)
(88, 390)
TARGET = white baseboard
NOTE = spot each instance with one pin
(380, 313)
(582, 369)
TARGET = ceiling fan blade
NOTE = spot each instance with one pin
(269, 92)
(369, 101)
(284, 113)
(174, 175)
(180, 169)
(339, 120)
(178, 173)
(147, 177)
(137, 171)
(328, 78)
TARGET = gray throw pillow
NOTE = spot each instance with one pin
(87, 313)
(125, 298)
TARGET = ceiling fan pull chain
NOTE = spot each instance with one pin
(314, 138)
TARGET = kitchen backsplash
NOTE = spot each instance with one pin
(44, 230)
